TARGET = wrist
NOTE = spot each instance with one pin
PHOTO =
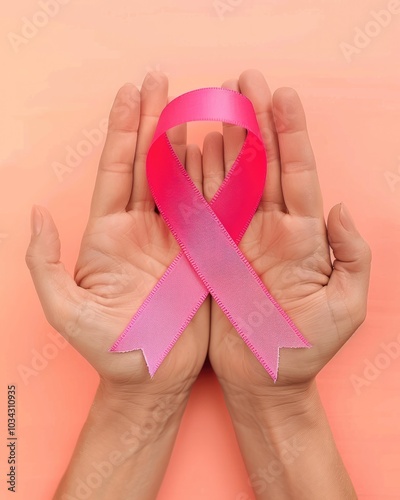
(134, 430)
(122, 403)
(278, 411)
(127, 439)
(287, 445)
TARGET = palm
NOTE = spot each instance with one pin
(121, 259)
(122, 256)
(291, 257)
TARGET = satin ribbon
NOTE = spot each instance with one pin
(208, 233)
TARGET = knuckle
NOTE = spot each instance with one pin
(297, 166)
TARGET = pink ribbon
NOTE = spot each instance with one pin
(208, 233)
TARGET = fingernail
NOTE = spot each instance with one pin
(346, 219)
(36, 220)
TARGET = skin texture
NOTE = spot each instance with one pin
(127, 247)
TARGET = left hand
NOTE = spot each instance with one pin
(288, 244)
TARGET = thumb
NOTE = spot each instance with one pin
(350, 277)
(57, 290)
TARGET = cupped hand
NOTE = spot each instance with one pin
(288, 244)
(125, 249)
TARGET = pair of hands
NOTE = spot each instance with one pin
(127, 247)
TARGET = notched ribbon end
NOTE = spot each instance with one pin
(302, 344)
(152, 367)
(271, 361)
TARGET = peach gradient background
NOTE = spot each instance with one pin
(63, 81)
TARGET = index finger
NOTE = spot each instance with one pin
(115, 173)
(299, 178)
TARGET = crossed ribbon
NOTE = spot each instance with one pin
(208, 234)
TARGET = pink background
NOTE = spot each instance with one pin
(60, 82)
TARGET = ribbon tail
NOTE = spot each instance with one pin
(267, 347)
(156, 331)
(143, 342)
